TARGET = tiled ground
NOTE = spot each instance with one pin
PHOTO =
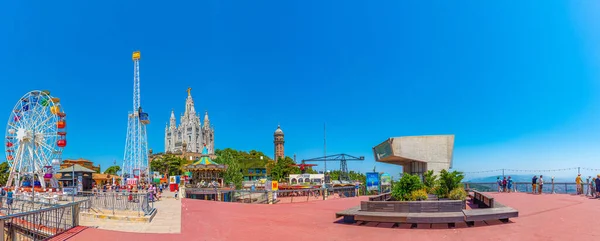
(542, 217)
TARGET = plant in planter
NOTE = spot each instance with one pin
(430, 181)
(418, 195)
(402, 190)
(458, 193)
(448, 181)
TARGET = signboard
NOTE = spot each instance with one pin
(172, 180)
(69, 190)
(386, 179)
(274, 186)
(383, 150)
(372, 181)
(80, 184)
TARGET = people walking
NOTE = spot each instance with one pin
(578, 184)
(540, 183)
(533, 184)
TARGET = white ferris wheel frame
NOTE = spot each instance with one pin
(34, 138)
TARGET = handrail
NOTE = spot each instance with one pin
(16, 215)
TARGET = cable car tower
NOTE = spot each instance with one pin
(135, 161)
(343, 158)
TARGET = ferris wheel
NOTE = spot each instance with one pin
(35, 137)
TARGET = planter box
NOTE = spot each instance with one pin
(413, 206)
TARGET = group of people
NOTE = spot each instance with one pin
(505, 185)
(594, 186)
(537, 184)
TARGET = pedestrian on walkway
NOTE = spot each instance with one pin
(533, 184)
(578, 184)
(509, 184)
(541, 183)
(598, 186)
(176, 194)
(499, 182)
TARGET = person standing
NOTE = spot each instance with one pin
(598, 186)
(578, 184)
(540, 183)
(533, 184)
(509, 184)
(504, 183)
(499, 182)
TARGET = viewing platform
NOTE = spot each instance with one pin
(541, 217)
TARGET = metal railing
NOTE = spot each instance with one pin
(40, 224)
(116, 202)
(279, 196)
(549, 187)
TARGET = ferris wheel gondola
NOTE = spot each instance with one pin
(35, 137)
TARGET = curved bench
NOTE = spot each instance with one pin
(429, 212)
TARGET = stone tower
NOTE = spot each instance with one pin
(278, 141)
(189, 132)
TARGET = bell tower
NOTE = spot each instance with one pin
(278, 141)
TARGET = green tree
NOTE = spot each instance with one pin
(113, 170)
(4, 171)
(170, 164)
(233, 173)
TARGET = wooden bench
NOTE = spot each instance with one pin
(355, 214)
(483, 214)
(482, 200)
(381, 197)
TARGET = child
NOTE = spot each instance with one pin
(176, 194)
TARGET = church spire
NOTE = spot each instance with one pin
(189, 105)
(172, 120)
(206, 120)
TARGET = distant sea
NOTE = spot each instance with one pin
(520, 178)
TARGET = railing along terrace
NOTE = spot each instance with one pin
(140, 202)
(279, 196)
(548, 187)
(40, 224)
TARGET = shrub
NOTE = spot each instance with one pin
(418, 195)
(402, 189)
(430, 181)
(449, 181)
(458, 193)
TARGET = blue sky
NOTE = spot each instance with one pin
(517, 83)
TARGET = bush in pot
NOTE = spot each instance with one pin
(402, 189)
(418, 195)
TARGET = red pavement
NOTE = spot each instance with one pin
(541, 217)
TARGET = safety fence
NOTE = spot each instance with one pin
(549, 187)
(39, 223)
(118, 202)
(279, 196)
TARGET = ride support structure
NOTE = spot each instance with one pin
(135, 160)
(342, 158)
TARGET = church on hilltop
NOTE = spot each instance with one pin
(191, 135)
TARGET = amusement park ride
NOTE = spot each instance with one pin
(303, 166)
(343, 158)
(35, 137)
(135, 161)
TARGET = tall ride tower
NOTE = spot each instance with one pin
(135, 161)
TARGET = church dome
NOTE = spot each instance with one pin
(278, 131)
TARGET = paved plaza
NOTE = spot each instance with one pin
(167, 219)
(542, 217)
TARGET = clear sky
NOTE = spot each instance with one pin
(516, 82)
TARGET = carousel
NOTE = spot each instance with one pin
(205, 173)
(206, 179)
